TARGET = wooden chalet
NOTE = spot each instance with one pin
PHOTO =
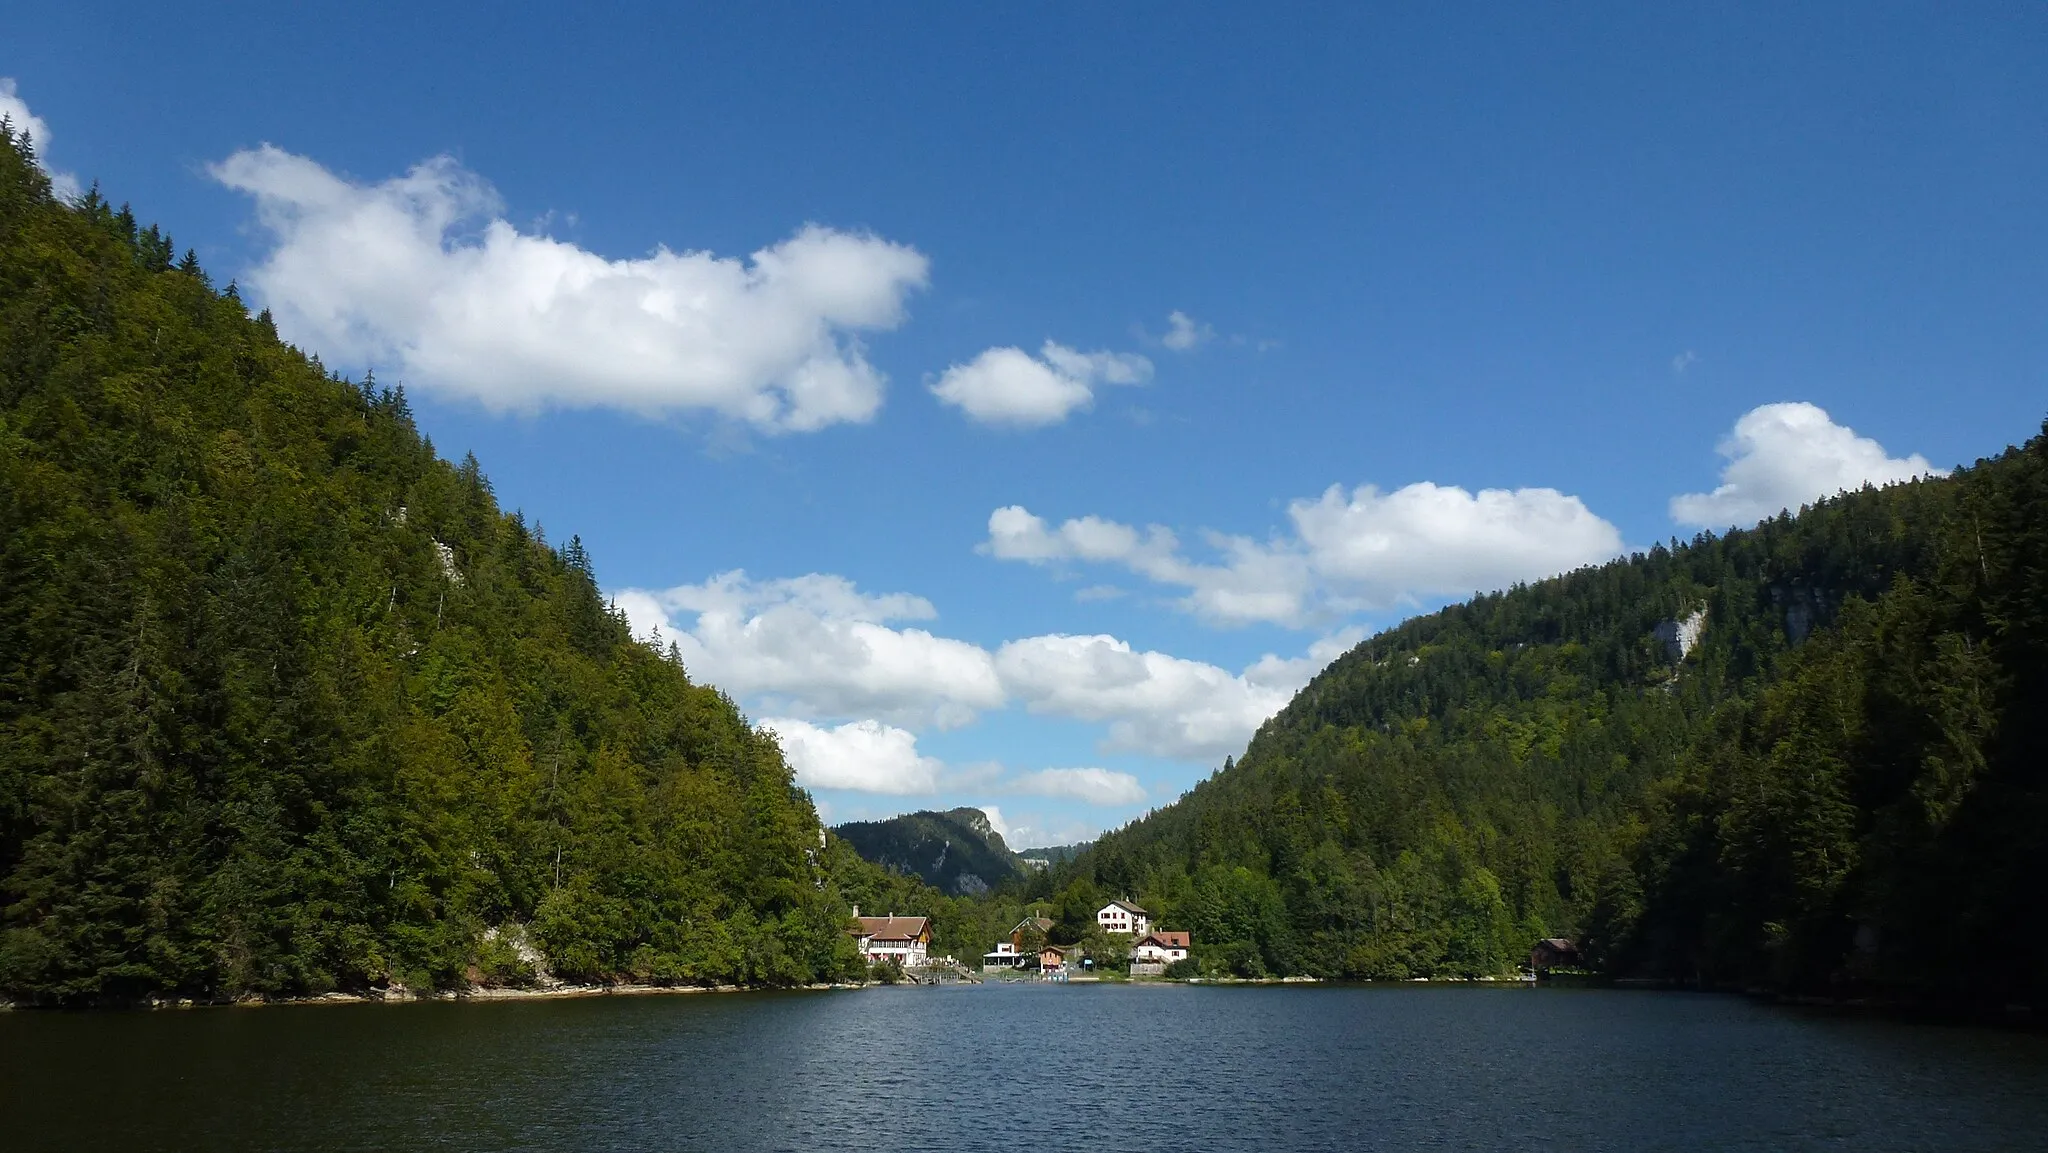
(1553, 953)
(904, 940)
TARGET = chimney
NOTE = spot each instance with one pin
(856, 910)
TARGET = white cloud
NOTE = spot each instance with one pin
(821, 594)
(1152, 702)
(1095, 786)
(816, 646)
(16, 110)
(421, 275)
(1683, 361)
(867, 756)
(1292, 674)
(1348, 551)
(1035, 831)
(1008, 386)
(1426, 539)
(1015, 534)
(1183, 332)
(1783, 456)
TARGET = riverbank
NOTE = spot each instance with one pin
(557, 992)
(400, 995)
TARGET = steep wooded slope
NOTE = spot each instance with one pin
(1838, 785)
(287, 703)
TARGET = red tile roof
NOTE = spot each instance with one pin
(1165, 939)
(893, 928)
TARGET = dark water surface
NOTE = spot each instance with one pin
(1008, 1067)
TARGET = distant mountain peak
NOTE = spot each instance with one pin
(957, 851)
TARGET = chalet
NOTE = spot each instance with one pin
(1161, 947)
(1123, 917)
(1052, 959)
(1553, 953)
(904, 940)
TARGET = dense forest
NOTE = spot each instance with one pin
(1807, 756)
(288, 704)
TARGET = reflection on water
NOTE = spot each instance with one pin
(999, 1067)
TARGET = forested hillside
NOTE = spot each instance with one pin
(287, 703)
(1805, 756)
(956, 851)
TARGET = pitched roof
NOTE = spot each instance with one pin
(892, 928)
(1043, 924)
(1165, 939)
(1127, 907)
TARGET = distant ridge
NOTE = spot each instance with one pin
(957, 852)
(1051, 854)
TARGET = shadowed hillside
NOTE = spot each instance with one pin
(288, 704)
(957, 852)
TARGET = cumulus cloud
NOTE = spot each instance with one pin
(1183, 332)
(1152, 702)
(1014, 533)
(1095, 786)
(816, 646)
(1291, 674)
(1783, 456)
(1428, 539)
(867, 756)
(817, 649)
(1008, 386)
(1348, 551)
(421, 274)
(1034, 831)
(16, 111)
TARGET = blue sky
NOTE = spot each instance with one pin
(1014, 407)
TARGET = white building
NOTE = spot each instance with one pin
(1124, 917)
(1005, 956)
(1160, 947)
(904, 940)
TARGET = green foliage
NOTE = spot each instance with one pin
(1841, 787)
(287, 704)
(1111, 952)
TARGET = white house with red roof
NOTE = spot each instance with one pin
(904, 940)
(1123, 917)
(1161, 947)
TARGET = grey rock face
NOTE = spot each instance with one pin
(1681, 636)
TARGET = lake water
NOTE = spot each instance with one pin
(1002, 1067)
